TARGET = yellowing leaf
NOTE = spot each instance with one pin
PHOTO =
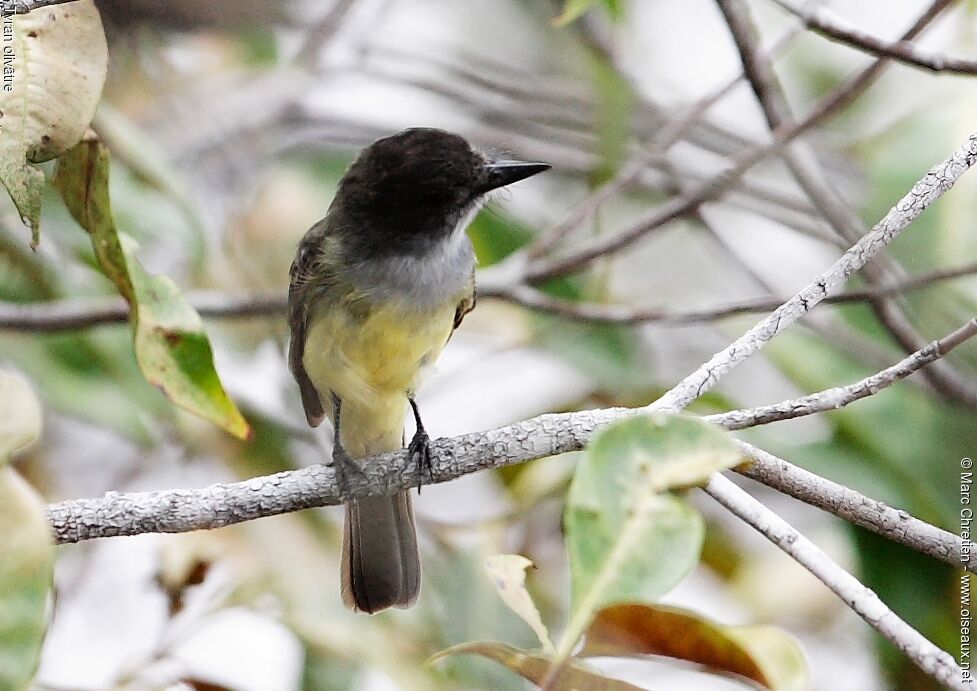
(537, 667)
(54, 64)
(508, 572)
(628, 537)
(26, 549)
(171, 347)
(763, 654)
(20, 416)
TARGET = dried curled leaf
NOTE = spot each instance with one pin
(54, 66)
(508, 572)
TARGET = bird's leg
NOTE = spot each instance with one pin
(341, 461)
(419, 449)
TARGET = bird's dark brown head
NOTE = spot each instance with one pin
(406, 192)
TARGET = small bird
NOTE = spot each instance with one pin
(376, 290)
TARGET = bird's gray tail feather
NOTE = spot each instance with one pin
(381, 567)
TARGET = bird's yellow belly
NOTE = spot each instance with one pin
(365, 359)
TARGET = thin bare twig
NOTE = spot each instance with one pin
(678, 207)
(833, 27)
(658, 145)
(82, 313)
(322, 32)
(804, 166)
(627, 314)
(930, 188)
(935, 662)
(832, 399)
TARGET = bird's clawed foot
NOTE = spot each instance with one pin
(419, 450)
(346, 470)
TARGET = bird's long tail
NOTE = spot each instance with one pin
(381, 567)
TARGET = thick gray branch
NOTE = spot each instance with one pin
(182, 510)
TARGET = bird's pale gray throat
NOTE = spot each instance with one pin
(422, 281)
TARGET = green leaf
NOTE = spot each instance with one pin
(628, 537)
(537, 667)
(763, 654)
(574, 9)
(171, 347)
(495, 236)
(615, 8)
(508, 572)
(57, 60)
(26, 550)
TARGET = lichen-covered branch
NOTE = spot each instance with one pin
(183, 510)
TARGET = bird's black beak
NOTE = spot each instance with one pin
(501, 173)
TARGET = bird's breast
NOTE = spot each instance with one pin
(369, 352)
